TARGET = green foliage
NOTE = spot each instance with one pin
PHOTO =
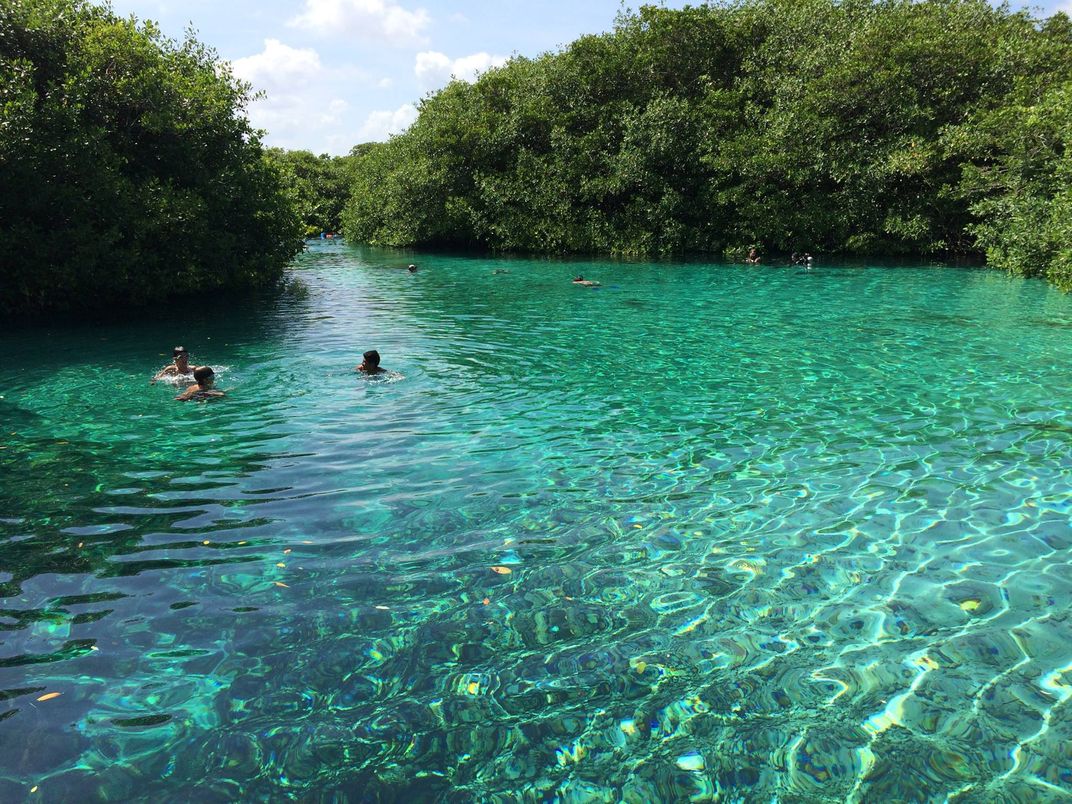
(825, 125)
(128, 170)
(1020, 182)
(318, 186)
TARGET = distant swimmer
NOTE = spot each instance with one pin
(587, 283)
(500, 271)
(412, 268)
(753, 257)
(371, 363)
(180, 366)
(205, 378)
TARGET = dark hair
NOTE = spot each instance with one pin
(202, 373)
(179, 350)
(372, 357)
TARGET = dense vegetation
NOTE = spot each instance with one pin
(318, 187)
(128, 170)
(851, 126)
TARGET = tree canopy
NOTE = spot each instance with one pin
(128, 169)
(841, 126)
(318, 186)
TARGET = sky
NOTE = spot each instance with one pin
(335, 73)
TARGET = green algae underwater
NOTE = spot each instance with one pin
(705, 532)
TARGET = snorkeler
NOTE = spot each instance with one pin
(180, 366)
(205, 378)
(371, 363)
(588, 283)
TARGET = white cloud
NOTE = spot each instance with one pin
(369, 19)
(379, 126)
(300, 107)
(333, 112)
(279, 67)
(435, 69)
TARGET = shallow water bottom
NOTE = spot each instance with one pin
(706, 533)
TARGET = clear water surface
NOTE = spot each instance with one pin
(707, 532)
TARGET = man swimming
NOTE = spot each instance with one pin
(205, 378)
(180, 366)
(371, 363)
(588, 283)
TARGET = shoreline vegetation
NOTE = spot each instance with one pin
(856, 128)
(130, 174)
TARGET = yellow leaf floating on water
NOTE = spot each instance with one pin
(486, 601)
(280, 583)
(286, 552)
(473, 688)
(48, 696)
(502, 570)
(970, 605)
(691, 762)
(281, 565)
(33, 789)
(206, 541)
(641, 666)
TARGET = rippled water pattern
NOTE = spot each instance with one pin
(707, 532)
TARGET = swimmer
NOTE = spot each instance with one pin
(587, 283)
(180, 366)
(500, 271)
(205, 378)
(371, 363)
(412, 268)
(753, 257)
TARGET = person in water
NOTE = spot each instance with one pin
(180, 365)
(412, 268)
(371, 363)
(205, 378)
(588, 283)
(753, 257)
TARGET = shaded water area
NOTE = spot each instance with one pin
(706, 531)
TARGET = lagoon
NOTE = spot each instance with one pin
(708, 530)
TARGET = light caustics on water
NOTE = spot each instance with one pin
(706, 531)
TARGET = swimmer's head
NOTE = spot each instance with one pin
(179, 351)
(412, 269)
(204, 375)
(372, 358)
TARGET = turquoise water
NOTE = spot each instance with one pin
(707, 531)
